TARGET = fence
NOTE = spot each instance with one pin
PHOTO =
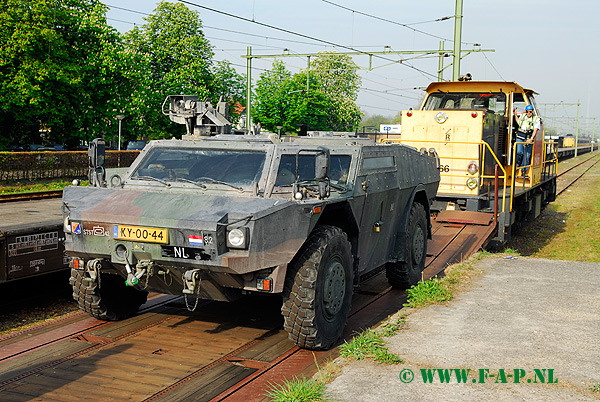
(55, 165)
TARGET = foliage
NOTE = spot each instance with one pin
(57, 71)
(321, 98)
(55, 165)
(372, 122)
(297, 390)
(230, 86)
(28, 188)
(368, 345)
(272, 98)
(170, 56)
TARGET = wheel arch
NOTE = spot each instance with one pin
(418, 195)
(340, 215)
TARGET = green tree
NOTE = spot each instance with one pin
(229, 85)
(56, 70)
(272, 99)
(326, 103)
(339, 81)
(171, 56)
(372, 122)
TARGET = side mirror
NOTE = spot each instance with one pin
(322, 160)
(322, 165)
(96, 155)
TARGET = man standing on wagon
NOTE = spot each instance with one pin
(529, 124)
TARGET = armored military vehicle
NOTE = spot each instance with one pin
(219, 216)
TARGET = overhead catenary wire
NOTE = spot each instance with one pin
(398, 23)
(305, 36)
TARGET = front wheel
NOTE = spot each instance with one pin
(106, 297)
(408, 273)
(318, 289)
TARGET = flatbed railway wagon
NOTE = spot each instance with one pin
(472, 126)
(31, 239)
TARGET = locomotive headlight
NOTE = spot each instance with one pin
(441, 117)
(67, 224)
(237, 238)
(472, 183)
(473, 167)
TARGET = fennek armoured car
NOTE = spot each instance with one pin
(217, 217)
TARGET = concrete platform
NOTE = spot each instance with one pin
(520, 314)
(30, 213)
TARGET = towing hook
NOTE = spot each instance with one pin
(191, 280)
(132, 279)
(93, 268)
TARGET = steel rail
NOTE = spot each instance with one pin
(37, 195)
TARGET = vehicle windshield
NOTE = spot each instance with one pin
(490, 102)
(286, 174)
(237, 167)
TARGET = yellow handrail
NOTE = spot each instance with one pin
(481, 176)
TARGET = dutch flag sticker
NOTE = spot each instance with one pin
(195, 240)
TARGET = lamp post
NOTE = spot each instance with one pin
(119, 117)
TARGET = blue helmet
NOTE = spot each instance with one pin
(528, 107)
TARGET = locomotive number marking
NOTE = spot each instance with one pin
(444, 168)
(139, 233)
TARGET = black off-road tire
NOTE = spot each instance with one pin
(107, 299)
(318, 289)
(405, 274)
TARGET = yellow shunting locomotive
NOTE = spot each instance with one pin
(472, 125)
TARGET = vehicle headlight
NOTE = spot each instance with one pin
(67, 224)
(472, 183)
(237, 238)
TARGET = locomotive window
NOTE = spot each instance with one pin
(490, 102)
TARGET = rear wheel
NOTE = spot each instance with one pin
(408, 273)
(318, 290)
(107, 297)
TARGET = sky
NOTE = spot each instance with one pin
(550, 46)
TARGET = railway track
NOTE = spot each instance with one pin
(225, 351)
(221, 352)
(568, 177)
(38, 195)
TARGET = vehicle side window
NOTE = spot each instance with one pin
(378, 162)
(286, 173)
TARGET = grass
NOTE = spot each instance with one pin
(569, 228)
(441, 290)
(595, 387)
(390, 328)
(297, 390)
(368, 344)
(28, 188)
(429, 292)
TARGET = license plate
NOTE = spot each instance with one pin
(140, 233)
